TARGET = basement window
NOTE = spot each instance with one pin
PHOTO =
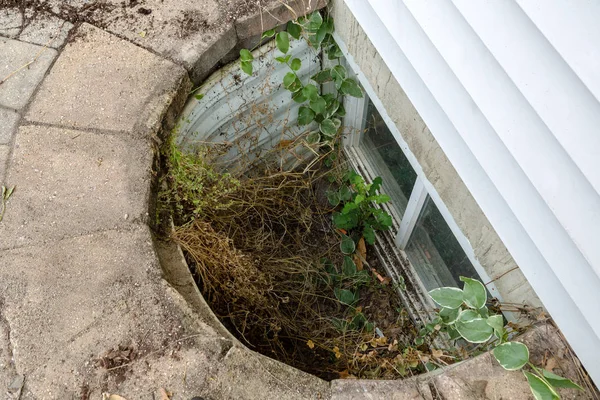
(426, 232)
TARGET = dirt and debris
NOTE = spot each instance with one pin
(267, 258)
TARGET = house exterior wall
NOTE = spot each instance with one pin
(489, 249)
(509, 90)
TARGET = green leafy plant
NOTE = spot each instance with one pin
(358, 212)
(346, 286)
(6, 193)
(326, 110)
(464, 314)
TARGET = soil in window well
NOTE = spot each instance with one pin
(267, 258)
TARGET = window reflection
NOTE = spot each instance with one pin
(388, 159)
(435, 253)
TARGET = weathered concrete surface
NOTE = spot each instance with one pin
(102, 82)
(34, 27)
(4, 151)
(8, 124)
(73, 182)
(409, 389)
(14, 57)
(67, 303)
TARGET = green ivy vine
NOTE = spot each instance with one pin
(327, 110)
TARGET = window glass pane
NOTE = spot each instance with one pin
(435, 253)
(388, 159)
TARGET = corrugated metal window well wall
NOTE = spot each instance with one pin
(254, 202)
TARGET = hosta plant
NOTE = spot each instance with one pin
(464, 314)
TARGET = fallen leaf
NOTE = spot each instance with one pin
(108, 396)
(437, 353)
(310, 344)
(358, 262)
(163, 394)
(344, 374)
(362, 248)
(284, 143)
(550, 364)
(342, 231)
(143, 34)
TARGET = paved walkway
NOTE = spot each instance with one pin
(85, 307)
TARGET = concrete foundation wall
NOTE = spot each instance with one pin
(488, 248)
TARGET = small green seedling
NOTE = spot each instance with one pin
(6, 193)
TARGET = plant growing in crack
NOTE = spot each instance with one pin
(326, 110)
(464, 314)
(6, 193)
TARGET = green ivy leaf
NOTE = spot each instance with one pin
(474, 293)
(449, 315)
(305, 116)
(314, 21)
(369, 234)
(447, 297)
(318, 105)
(320, 35)
(294, 29)
(295, 64)
(299, 97)
(337, 123)
(315, 137)
(497, 323)
(311, 92)
(334, 52)
(283, 42)
(341, 111)
(332, 107)
(322, 76)
(484, 312)
(284, 59)
(539, 388)
(347, 245)
(328, 128)
(289, 79)
(474, 331)
(468, 315)
(511, 355)
(345, 296)
(246, 67)
(245, 55)
(348, 267)
(338, 72)
(453, 334)
(351, 88)
(268, 34)
(559, 381)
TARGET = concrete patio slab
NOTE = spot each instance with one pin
(22, 67)
(4, 151)
(73, 182)
(8, 124)
(103, 82)
(37, 27)
(69, 303)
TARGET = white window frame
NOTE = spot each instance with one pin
(356, 110)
